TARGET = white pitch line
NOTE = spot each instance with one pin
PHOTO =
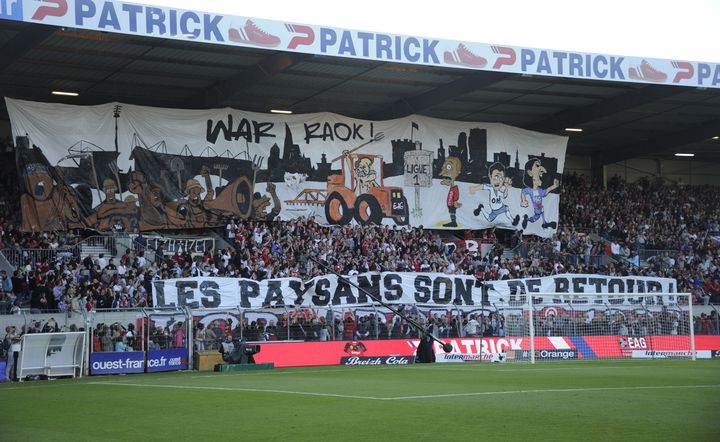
(289, 370)
(276, 372)
(476, 367)
(43, 386)
(252, 390)
(398, 398)
(500, 369)
(549, 390)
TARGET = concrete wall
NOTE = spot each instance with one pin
(5, 130)
(682, 170)
(578, 164)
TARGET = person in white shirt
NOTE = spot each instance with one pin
(258, 235)
(471, 328)
(450, 269)
(503, 272)
(102, 261)
(230, 229)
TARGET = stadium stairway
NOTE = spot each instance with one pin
(221, 241)
(95, 251)
(509, 254)
(95, 245)
(6, 265)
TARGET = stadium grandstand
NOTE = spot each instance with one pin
(596, 235)
(210, 191)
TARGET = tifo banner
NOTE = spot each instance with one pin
(179, 24)
(134, 168)
(406, 288)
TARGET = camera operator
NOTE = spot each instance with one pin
(227, 348)
(238, 352)
(244, 353)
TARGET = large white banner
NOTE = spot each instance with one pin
(197, 26)
(141, 168)
(409, 288)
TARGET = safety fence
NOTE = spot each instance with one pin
(30, 257)
(149, 340)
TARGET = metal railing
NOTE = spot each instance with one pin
(24, 257)
(114, 244)
(646, 254)
(548, 251)
(125, 242)
(5, 264)
(170, 328)
(108, 242)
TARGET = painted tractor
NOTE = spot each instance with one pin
(355, 192)
(368, 203)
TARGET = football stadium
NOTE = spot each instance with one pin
(215, 225)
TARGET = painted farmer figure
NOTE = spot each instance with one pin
(196, 209)
(534, 172)
(451, 170)
(498, 191)
(365, 174)
(113, 213)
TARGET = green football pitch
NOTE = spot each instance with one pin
(612, 400)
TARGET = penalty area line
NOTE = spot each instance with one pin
(400, 398)
(550, 390)
(251, 390)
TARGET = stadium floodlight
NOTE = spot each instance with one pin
(280, 111)
(573, 129)
(680, 154)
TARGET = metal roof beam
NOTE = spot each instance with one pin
(577, 116)
(663, 143)
(124, 57)
(419, 103)
(224, 91)
(23, 42)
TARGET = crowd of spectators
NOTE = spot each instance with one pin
(620, 221)
(647, 214)
(653, 227)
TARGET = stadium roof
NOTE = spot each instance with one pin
(619, 120)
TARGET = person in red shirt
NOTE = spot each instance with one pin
(451, 170)
(349, 328)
